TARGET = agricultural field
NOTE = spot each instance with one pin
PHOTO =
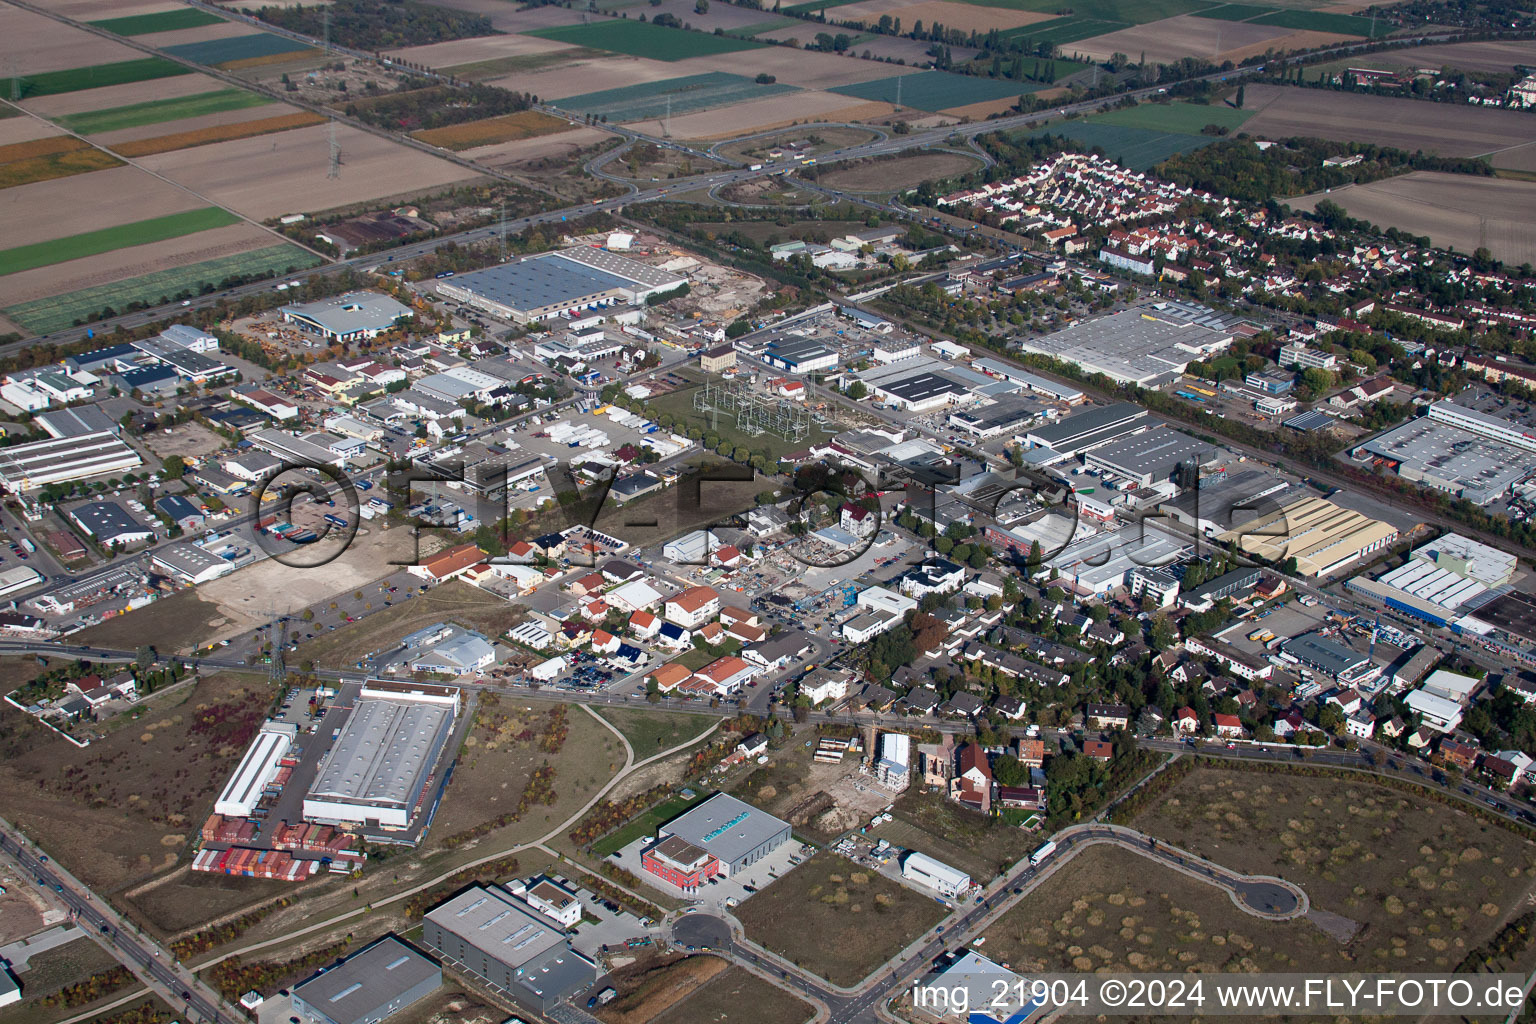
(265, 177)
(467, 58)
(1304, 21)
(149, 112)
(216, 133)
(44, 316)
(23, 163)
(809, 69)
(936, 90)
(672, 95)
(726, 123)
(967, 17)
(128, 804)
(1456, 211)
(1184, 118)
(643, 39)
(98, 76)
(836, 919)
(215, 52)
(1399, 881)
(160, 21)
(90, 243)
(1137, 148)
(1187, 35)
(898, 174)
(1450, 130)
(525, 124)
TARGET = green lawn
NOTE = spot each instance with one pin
(51, 83)
(1186, 118)
(155, 111)
(161, 21)
(649, 732)
(90, 243)
(644, 825)
(643, 39)
(44, 316)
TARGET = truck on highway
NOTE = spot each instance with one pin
(1039, 856)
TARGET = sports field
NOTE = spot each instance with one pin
(220, 51)
(45, 316)
(74, 247)
(1136, 148)
(936, 90)
(642, 39)
(652, 99)
(1308, 21)
(155, 111)
(160, 21)
(51, 83)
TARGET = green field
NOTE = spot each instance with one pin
(91, 243)
(1065, 30)
(652, 99)
(1137, 148)
(815, 5)
(1314, 21)
(1188, 118)
(155, 111)
(220, 51)
(51, 83)
(645, 825)
(936, 90)
(44, 316)
(642, 39)
(162, 21)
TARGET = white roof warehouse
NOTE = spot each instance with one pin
(348, 317)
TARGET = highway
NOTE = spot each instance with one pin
(148, 960)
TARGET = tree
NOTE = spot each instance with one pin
(1009, 771)
(858, 391)
(701, 7)
(144, 658)
(173, 468)
(1237, 101)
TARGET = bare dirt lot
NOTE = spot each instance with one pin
(1455, 211)
(773, 112)
(186, 439)
(808, 69)
(1425, 882)
(905, 172)
(1450, 130)
(46, 210)
(966, 17)
(30, 43)
(62, 278)
(271, 175)
(1303, 39)
(127, 805)
(1172, 38)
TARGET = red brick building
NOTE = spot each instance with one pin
(680, 862)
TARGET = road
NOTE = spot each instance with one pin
(151, 962)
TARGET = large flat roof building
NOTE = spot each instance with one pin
(347, 317)
(257, 768)
(1442, 453)
(543, 287)
(368, 986)
(1086, 430)
(1135, 346)
(24, 467)
(1320, 535)
(509, 947)
(1150, 456)
(733, 832)
(377, 770)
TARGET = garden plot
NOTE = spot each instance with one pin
(269, 176)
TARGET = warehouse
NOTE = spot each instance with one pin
(296, 451)
(24, 467)
(933, 874)
(1097, 564)
(1008, 416)
(799, 355)
(108, 523)
(257, 768)
(1151, 456)
(368, 986)
(735, 833)
(1225, 503)
(18, 578)
(1131, 347)
(545, 286)
(77, 421)
(1448, 458)
(1331, 658)
(191, 563)
(921, 391)
(1319, 535)
(509, 947)
(1086, 430)
(1031, 381)
(349, 317)
(377, 770)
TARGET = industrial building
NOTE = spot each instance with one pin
(349, 317)
(1441, 453)
(547, 285)
(377, 769)
(1494, 428)
(508, 947)
(1226, 503)
(256, 769)
(1099, 563)
(1331, 658)
(934, 874)
(191, 564)
(1029, 381)
(1319, 535)
(799, 355)
(735, 833)
(1089, 429)
(378, 980)
(1008, 416)
(108, 523)
(1151, 456)
(1237, 583)
(18, 577)
(24, 467)
(921, 391)
(1136, 346)
(1444, 580)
